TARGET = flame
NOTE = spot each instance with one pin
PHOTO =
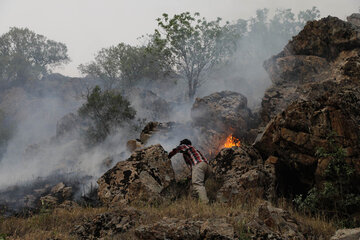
(231, 142)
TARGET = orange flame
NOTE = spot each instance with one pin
(231, 142)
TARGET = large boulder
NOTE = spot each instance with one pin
(347, 234)
(220, 115)
(325, 38)
(275, 223)
(326, 52)
(142, 177)
(243, 174)
(295, 135)
(107, 224)
(224, 111)
(354, 19)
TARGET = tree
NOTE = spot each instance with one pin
(25, 56)
(195, 45)
(105, 67)
(106, 111)
(124, 65)
(308, 15)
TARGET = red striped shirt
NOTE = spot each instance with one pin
(191, 155)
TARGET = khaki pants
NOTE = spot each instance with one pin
(199, 174)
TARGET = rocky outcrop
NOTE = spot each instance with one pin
(294, 136)
(224, 111)
(243, 174)
(172, 228)
(142, 177)
(325, 51)
(107, 224)
(58, 194)
(347, 234)
(325, 38)
(354, 19)
(219, 115)
(275, 223)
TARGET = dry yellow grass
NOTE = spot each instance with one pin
(58, 224)
(320, 226)
(50, 224)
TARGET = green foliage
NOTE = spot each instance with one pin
(338, 196)
(195, 45)
(106, 111)
(25, 56)
(124, 65)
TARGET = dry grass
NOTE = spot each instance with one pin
(238, 213)
(189, 208)
(58, 224)
(55, 224)
(320, 226)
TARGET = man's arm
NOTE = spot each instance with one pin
(177, 150)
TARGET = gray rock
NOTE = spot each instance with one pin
(354, 19)
(347, 234)
(243, 174)
(142, 177)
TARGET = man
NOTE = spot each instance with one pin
(200, 168)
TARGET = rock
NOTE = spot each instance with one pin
(347, 234)
(142, 177)
(57, 195)
(107, 224)
(325, 38)
(224, 111)
(161, 131)
(133, 144)
(354, 19)
(217, 228)
(325, 55)
(274, 223)
(218, 116)
(172, 228)
(58, 188)
(295, 69)
(61, 191)
(49, 201)
(297, 133)
(243, 174)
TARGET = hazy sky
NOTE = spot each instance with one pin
(86, 26)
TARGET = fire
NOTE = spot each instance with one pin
(231, 142)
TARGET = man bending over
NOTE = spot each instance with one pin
(200, 168)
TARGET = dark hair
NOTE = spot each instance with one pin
(185, 141)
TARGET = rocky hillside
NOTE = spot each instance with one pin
(308, 145)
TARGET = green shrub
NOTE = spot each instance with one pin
(105, 111)
(337, 196)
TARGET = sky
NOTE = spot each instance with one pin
(86, 26)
